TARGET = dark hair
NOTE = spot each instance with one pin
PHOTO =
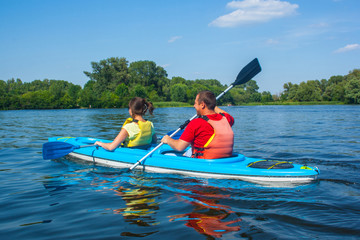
(139, 106)
(208, 98)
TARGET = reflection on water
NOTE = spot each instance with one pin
(140, 194)
(209, 223)
(208, 216)
(137, 202)
(140, 201)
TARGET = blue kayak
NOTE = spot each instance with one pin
(166, 160)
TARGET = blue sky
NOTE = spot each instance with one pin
(294, 40)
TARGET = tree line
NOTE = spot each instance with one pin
(344, 89)
(114, 81)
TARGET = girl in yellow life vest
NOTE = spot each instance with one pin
(136, 131)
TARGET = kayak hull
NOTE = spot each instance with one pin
(165, 160)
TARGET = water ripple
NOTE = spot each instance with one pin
(63, 199)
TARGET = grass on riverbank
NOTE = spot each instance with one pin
(181, 104)
(293, 103)
(171, 104)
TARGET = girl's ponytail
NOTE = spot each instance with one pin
(139, 106)
(149, 106)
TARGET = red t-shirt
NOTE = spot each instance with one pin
(199, 131)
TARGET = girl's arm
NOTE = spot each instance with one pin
(123, 134)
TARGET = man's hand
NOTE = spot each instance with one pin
(176, 144)
(165, 139)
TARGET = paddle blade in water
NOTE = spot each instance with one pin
(54, 150)
(248, 72)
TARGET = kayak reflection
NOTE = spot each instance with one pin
(140, 201)
(208, 217)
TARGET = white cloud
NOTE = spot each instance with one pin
(173, 39)
(349, 47)
(253, 11)
(165, 65)
(310, 30)
(319, 25)
(272, 41)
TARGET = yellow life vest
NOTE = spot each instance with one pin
(145, 135)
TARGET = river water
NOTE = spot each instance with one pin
(63, 199)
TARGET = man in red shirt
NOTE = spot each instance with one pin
(210, 135)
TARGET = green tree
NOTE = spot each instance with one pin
(323, 84)
(255, 97)
(66, 102)
(334, 92)
(154, 97)
(138, 91)
(3, 95)
(73, 92)
(178, 92)
(308, 91)
(147, 74)
(292, 92)
(351, 86)
(109, 100)
(108, 74)
(335, 80)
(238, 95)
(266, 97)
(193, 89)
(251, 91)
(352, 91)
(40, 99)
(177, 80)
(251, 87)
(15, 87)
(58, 89)
(122, 90)
(37, 85)
(88, 97)
(353, 74)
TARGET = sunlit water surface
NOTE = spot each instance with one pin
(63, 199)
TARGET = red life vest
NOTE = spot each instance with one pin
(220, 144)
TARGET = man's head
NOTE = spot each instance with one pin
(205, 99)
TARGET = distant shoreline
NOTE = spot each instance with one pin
(181, 104)
(177, 104)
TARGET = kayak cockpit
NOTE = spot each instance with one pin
(236, 157)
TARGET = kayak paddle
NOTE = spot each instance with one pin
(54, 150)
(245, 75)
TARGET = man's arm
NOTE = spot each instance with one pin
(219, 110)
(229, 118)
(176, 144)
